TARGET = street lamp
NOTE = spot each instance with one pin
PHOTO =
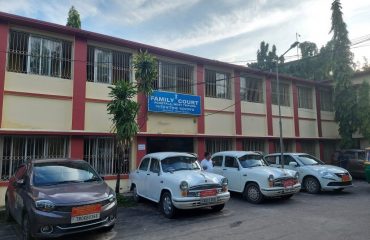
(278, 98)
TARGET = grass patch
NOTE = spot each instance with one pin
(124, 201)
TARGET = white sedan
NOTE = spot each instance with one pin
(313, 173)
(248, 173)
(175, 181)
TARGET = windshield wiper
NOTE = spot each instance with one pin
(69, 181)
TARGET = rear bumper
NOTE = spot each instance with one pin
(195, 202)
(280, 191)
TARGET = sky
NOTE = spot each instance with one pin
(224, 30)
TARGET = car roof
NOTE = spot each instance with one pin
(235, 153)
(287, 153)
(55, 160)
(163, 155)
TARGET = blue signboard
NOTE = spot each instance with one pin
(170, 102)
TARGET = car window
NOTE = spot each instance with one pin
(231, 162)
(288, 159)
(217, 161)
(309, 160)
(178, 163)
(271, 159)
(154, 165)
(144, 164)
(251, 160)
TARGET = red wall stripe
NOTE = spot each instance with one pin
(238, 144)
(238, 110)
(298, 146)
(140, 153)
(201, 143)
(269, 107)
(79, 84)
(295, 108)
(201, 93)
(318, 112)
(4, 30)
(143, 112)
(77, 147)
(271, 146)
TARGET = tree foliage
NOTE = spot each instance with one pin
(363, 112)
(308, 49)
(73, 18)
(266, 59)
(123, 107)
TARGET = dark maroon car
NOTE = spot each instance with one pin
(52, 198)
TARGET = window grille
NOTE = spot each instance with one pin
(326, 100)
(253, 145)
(15, 150)
(217, 84)
(309, 147)
(218, 145)
(174, 77)
(105, 156)
(305, 97)
(107, 66)
(251, 89)
(288, 146)
(34, 54)
(284, 94)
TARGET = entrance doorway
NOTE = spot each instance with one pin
(158, 144)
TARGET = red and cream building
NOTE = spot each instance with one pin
(54, 88)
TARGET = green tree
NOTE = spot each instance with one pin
(341, 67)
(73, 18)
(124, 108)
(308, 49)
(266, 60)
(363, 112)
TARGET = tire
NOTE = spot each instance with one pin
(286, 197)
(312, 185)
(135, 195)
(26, 228)
(167, 207)
(252, 193)
(8, 215)
(217, 208)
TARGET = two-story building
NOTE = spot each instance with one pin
(54, 90)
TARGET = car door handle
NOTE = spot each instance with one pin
(224, 169)
(148, 174)
(244, 175)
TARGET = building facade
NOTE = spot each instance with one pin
(54, 90)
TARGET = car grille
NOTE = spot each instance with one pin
(69, 208)
(204, 187)
(339, 184)
(279, 181)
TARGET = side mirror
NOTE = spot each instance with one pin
(293, 164)
(18, 183)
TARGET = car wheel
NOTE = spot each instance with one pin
(168, 209)
(252, 193)
(135, 196)
(8, 215)
(285, 197)
(312, 185)
(218, 208)
(26, 228)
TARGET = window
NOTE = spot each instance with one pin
(217, 84)
(144, 164)
(154, 166)
(34, 54)
(104, 155)
(251, 89)
(309, 147)
(288, 146)
(15, 150)
(287, 159)
(253, 145)
(326, 100)
(107, 66)
(231, 162)
(284, 94)
(217, 161)
(218, 145)
(305, 97)
(174, 77)
(271, 159)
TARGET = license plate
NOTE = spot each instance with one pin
(208, 193)
(85, 213)
(345, 178)
(288, 183)
(208, 200)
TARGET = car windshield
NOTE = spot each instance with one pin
(252, 160)
(54, 173)
(177, 163)
(309, 160)
(361, 155)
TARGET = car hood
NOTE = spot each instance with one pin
(194, 178)
(276, 172)
(73, 193)
(327, 168)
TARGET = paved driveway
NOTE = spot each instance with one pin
(326, 216)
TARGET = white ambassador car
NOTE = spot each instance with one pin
(175, 181)
(249, 174)
(313, 173)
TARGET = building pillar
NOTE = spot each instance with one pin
(201, 93)
(238, 144)
(271, 146)
(201, 145)
(295, 109)
(142, 116)
(141, 149)
(318, 111)
(79, 96)
(238, 110)
(4, 31)
(321, 147)
(298, 146)
(269, 107)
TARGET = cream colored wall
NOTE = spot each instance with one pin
(220, 124)
(36, 113)
(249, 107)
(308, 128)
(287, 125)
(285, 111)
(97, 91)
(124, 185)
(306, 113)
(97, 118)
(218, 104)
(327, 115)
(254, 125)
(2, 196)
(32, 83)
(170, 123)
(330, 129)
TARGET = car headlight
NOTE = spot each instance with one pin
(270, 178)
(112, 197)
(44, 205)
(184, 186)
(327, 175)
(224, 182)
